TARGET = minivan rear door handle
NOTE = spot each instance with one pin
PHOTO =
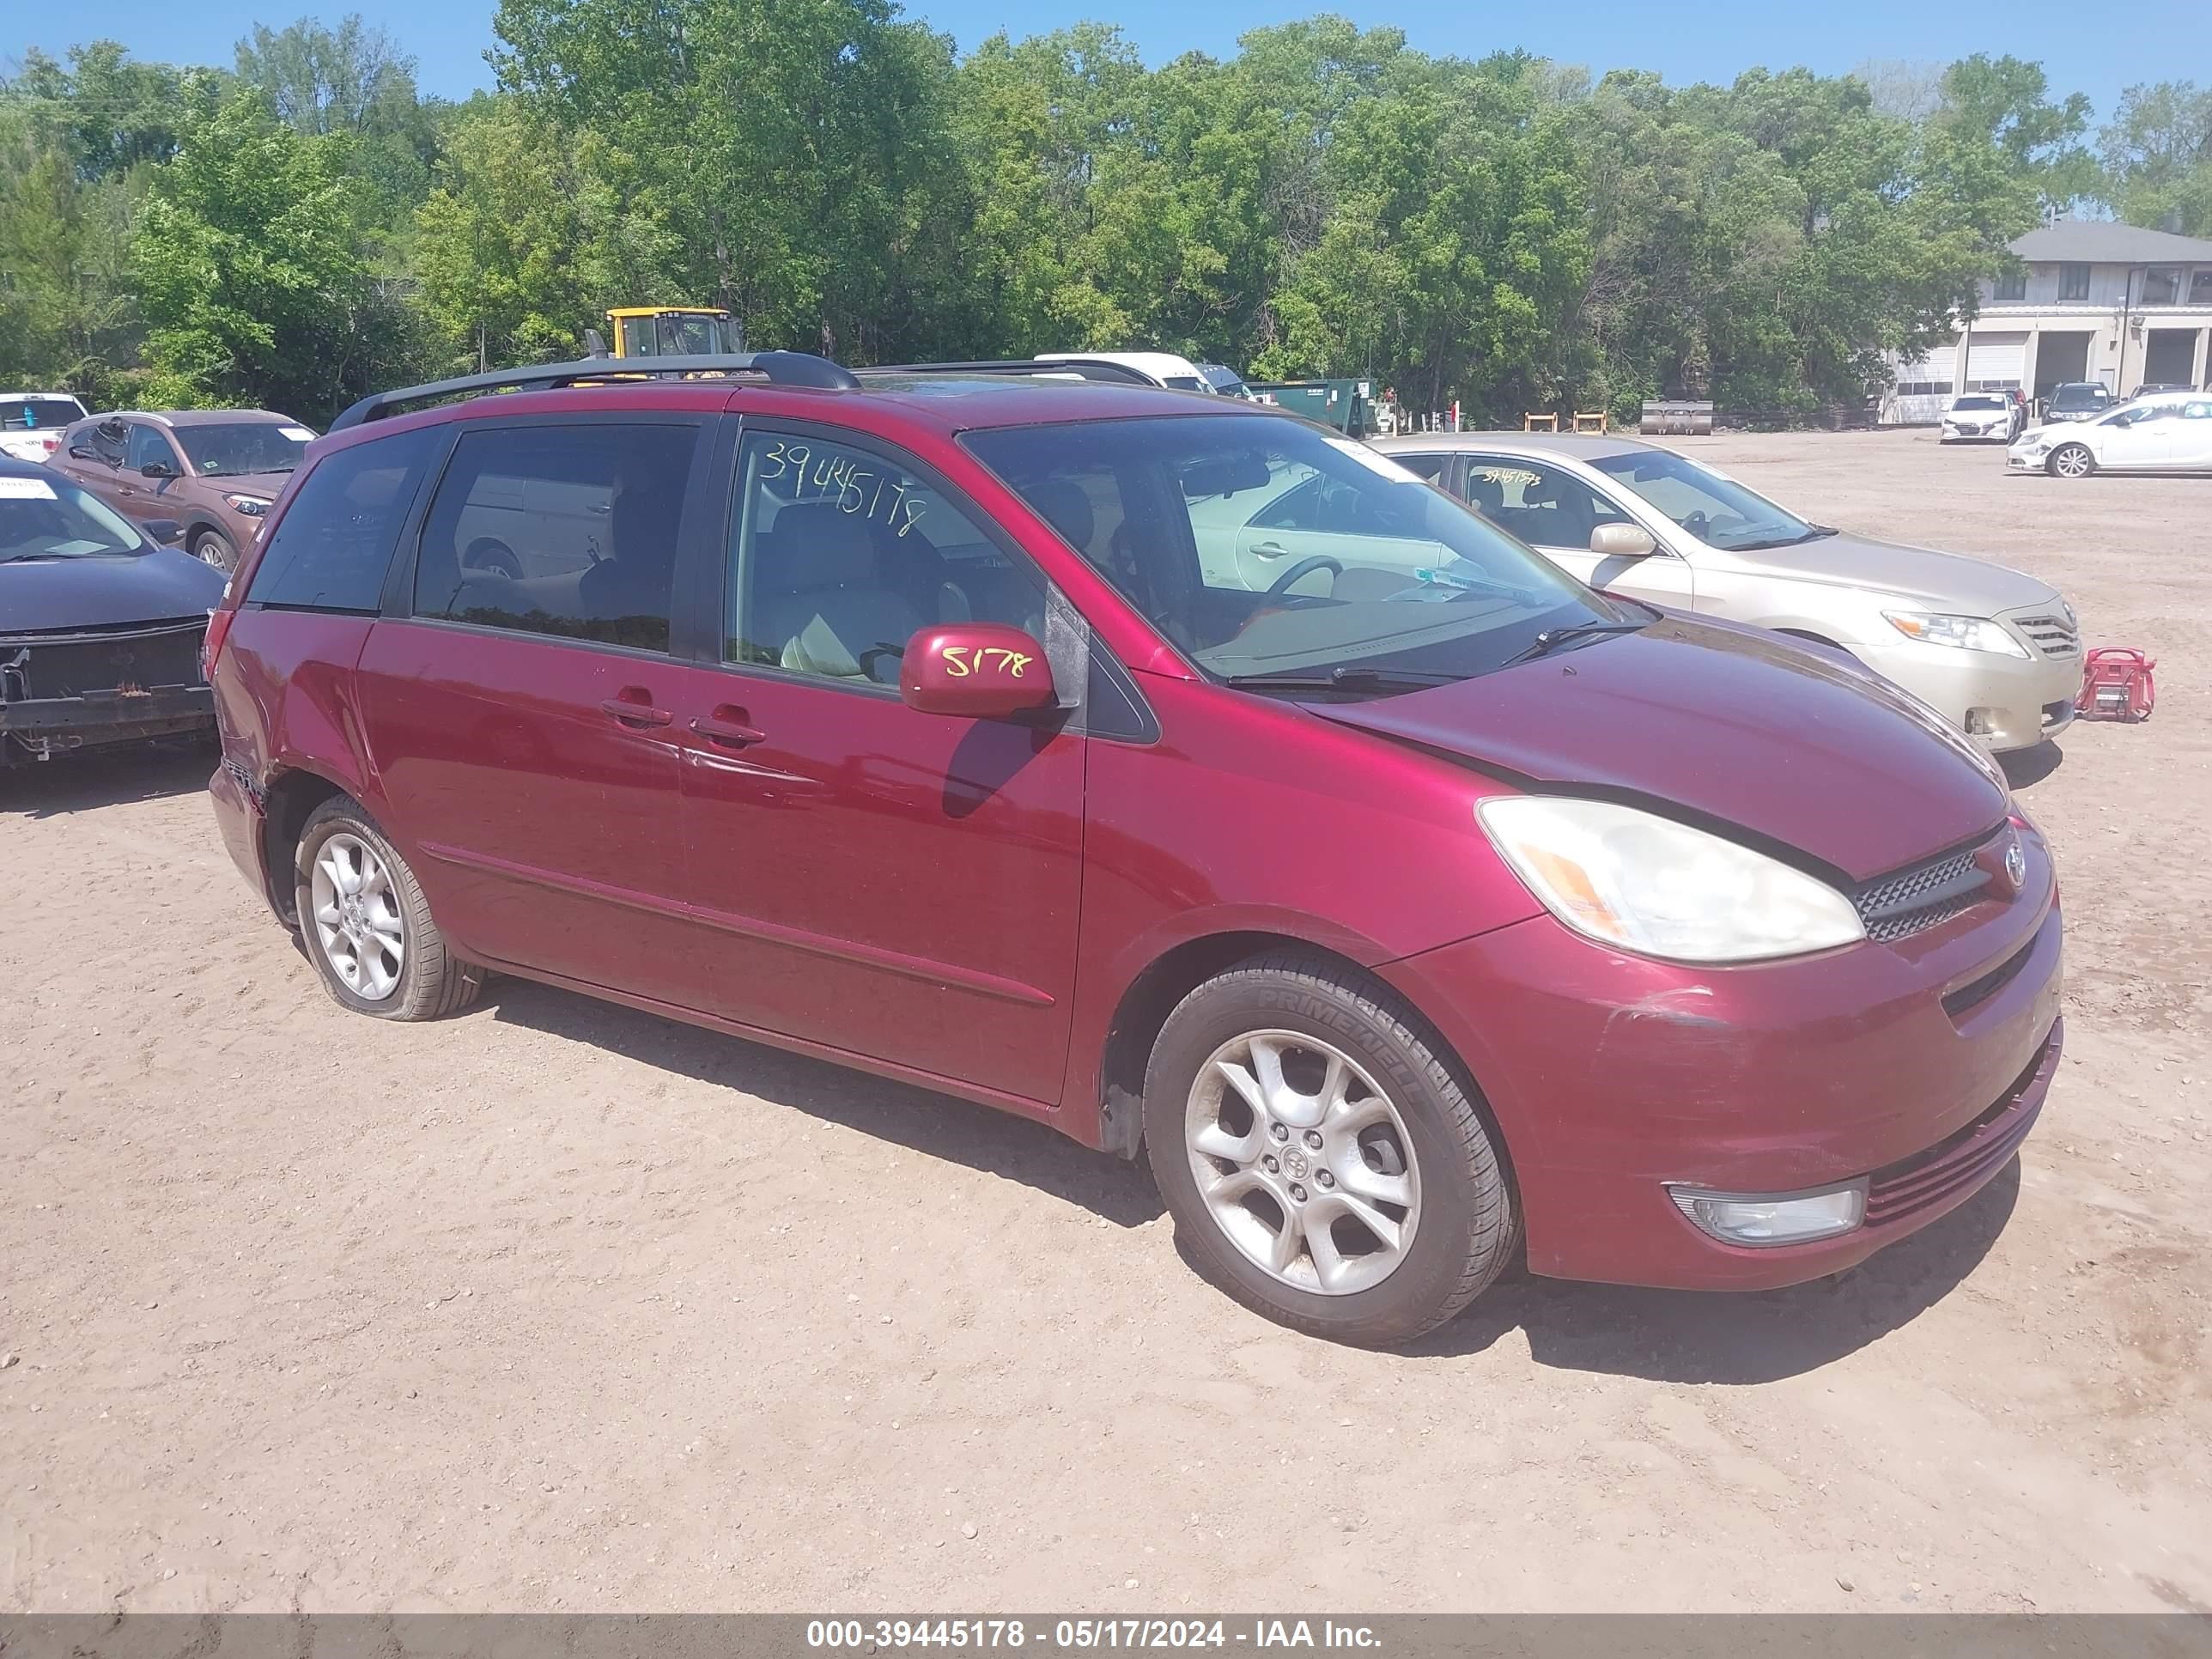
(634, 707)
(727, 727)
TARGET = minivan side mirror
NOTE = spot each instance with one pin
(1622, 541)
(980, 671)
(163, 531)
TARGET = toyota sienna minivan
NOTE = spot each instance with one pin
(1410, 917)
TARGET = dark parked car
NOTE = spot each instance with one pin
(1410, 920)
(2077, 400)
(213, 470)
(101, 626)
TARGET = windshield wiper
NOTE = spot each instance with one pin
(1813, 534)
(1350, 678)
(1553, 637)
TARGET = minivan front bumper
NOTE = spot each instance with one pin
(1915, 1067)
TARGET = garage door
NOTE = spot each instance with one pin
(1995, 361)
(1936, 373)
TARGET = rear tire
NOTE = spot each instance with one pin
(2070, 461)
(1349, 1129)
(366, 924)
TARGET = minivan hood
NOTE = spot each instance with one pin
(1735, 726)
(1947, 581)
(57, 596)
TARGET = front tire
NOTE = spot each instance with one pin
(366, 924)
(1323, 1162)
(209, 547)
(2070, 461)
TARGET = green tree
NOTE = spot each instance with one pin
(524, 240)
(779, 141)
(2157, 154)
(250, 270)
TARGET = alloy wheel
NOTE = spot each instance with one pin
(1302, 1162)
(358, 922)
(2071, 462)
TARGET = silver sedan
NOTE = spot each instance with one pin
(1996, 652)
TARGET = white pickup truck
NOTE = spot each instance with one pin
(31, 423)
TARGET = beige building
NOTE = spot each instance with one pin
(2093, 302)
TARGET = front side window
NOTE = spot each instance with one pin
(1544, 505)
(2196, 411)
(1430, 465)
(148, 447)
(2073, 282)
(332, 546)
(842, 554)
(568, 529)
(230, 449)
(49, 517)
(1265, 546)
(1714, 509)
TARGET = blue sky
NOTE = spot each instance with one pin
(2093, 52)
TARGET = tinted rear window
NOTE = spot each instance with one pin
(331, 548)
(565, 529)
(38, 414)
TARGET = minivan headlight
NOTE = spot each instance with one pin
(1661, 889)
(1968, 633)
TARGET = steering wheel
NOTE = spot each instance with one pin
(1304, 567)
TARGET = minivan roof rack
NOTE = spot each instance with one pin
(782, 367)
(1058, 368)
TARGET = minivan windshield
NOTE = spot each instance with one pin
(1273, 551)
(1718, 510)
(49, 517)
(231, 449)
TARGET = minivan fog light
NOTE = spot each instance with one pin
(1768, 1219)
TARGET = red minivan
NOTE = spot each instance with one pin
(1170, 770)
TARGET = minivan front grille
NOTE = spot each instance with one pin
(2054, 637)
(1912, 901)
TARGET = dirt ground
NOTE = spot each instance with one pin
(556, 1306)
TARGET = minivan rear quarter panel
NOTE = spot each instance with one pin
(284, 702)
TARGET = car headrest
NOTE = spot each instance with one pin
(1487, 494)
(817, 544)
(1063, 505)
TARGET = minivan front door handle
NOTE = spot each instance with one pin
(727, 728)
(634, 707)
